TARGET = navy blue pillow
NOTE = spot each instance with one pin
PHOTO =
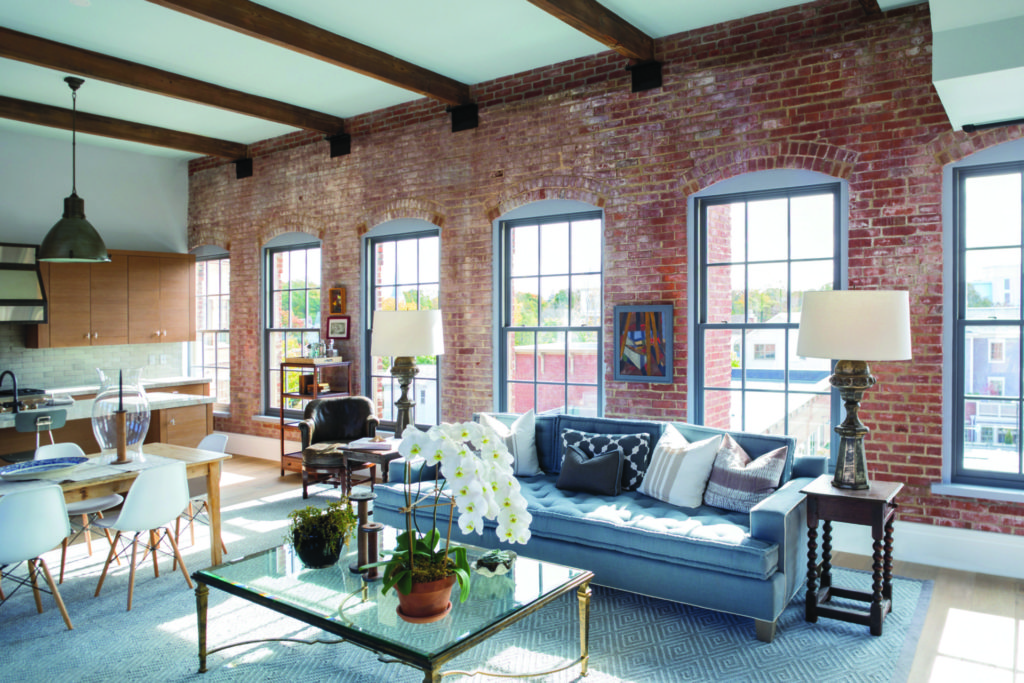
(636, 450)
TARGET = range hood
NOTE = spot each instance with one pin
(22, 298)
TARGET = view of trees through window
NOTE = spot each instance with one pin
(989, 324)
(405, 276)
(292, 278)
(759, 254)
(551, 329)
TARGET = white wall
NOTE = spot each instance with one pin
(134, 201)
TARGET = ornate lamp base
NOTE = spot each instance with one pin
(852, 378)
(404, 368)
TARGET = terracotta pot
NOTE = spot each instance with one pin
(428, 601)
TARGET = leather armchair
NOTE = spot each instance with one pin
(334, 421)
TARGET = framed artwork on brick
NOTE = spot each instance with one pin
(337, 327)
(643, 343)
(336, 301)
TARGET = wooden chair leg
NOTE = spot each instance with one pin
(56, 594)
(35, 585)
(87, 532)
(63, 557)
(153, 543)
(191, 523)
(305, 483)
(131, 572)
(181, 562)
(106, 565)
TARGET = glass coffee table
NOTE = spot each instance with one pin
(340, 602)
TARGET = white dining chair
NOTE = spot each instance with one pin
(156, 498)
(32, 522)
(82, 512)
(198, 504)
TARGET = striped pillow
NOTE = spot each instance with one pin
(739, 483)
(679, 470)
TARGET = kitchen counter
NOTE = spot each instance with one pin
(82, 408)
(148, 384)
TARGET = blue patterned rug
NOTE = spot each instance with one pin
(633, 638)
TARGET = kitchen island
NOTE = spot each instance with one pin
(177, 418)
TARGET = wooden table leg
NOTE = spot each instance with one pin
(811, 610)
(887, 561)
(202, 598)
(876, 585)
(213, 502)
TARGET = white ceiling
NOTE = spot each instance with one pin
(468, 40)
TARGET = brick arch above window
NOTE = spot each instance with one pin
(807, 156)
(284, 224)
(209, 234)
(571, 187)
(415, 208)
(954, 146)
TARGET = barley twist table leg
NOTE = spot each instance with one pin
(811, 614)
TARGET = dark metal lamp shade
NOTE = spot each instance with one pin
(73, 239)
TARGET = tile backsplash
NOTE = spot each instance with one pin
(52, 368)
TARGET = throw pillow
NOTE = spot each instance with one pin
(679, 470)
(520, 439)
(636, 449)
(739, 483)
(600, 474)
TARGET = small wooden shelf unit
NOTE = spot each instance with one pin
(337, 374)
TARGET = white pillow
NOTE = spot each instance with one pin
(679, 470)
(521, 441)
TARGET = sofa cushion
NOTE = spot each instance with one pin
(600, 474)
(549, 433)
(636, 450)
(739, 483)
(520, 439)
(679, 470)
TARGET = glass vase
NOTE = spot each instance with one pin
(121, 392)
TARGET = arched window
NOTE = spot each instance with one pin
(211, 353)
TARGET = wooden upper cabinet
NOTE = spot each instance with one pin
(161, 298)
(136, 298)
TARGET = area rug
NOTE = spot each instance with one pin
(633, 638)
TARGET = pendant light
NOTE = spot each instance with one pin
(73, 239)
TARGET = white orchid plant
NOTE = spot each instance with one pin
(480, 483)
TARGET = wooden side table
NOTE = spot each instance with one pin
(874, 507)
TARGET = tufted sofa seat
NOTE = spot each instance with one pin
(750, 564)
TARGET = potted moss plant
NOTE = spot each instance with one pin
(479, 481)
(318, 534)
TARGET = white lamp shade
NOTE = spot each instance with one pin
(855, 325)
(407, 333)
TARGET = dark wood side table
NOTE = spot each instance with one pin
(874, 507)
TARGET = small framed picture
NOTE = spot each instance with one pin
(336, 301)
(643, 343)
(337, 327)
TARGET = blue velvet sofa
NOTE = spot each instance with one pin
(750, 564)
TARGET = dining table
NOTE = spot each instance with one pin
(101, 477)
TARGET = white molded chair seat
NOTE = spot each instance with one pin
(198, 506)
(32, 522)
(156, 498)
(83, 512)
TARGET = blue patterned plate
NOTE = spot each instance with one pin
(40, 469)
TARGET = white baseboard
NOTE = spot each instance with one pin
(258, 446)
(984, 552)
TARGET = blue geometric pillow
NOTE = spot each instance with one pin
(636, 449)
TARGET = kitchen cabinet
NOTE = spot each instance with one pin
(184, 426)
(137, 298)
(87, 305)
(161, 298)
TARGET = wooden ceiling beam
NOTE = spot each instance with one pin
(56, 117)
(603, 25)
(257, 21)
(47, 53)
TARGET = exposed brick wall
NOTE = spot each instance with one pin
(817, 86)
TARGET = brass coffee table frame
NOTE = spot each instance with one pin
(387, 652)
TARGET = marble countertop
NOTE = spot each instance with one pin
(147, 384)
(82, 409)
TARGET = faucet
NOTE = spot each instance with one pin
(14, 380)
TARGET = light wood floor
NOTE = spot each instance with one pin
(973, 631)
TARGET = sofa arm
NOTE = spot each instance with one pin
(782, 518)
(811, 466)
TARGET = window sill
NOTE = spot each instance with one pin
(986, 492)
(267, 419)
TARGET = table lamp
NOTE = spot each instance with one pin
(404, 335)
(855, 326)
